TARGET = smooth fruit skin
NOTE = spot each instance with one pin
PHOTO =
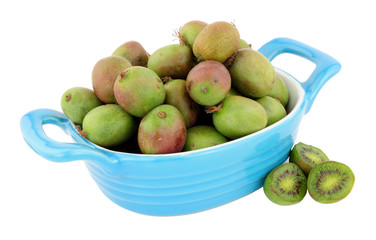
(76, 102)
(177, 96)
(199, 137)
(307, 156)
(104, 75)
(208, 83)
(174, 60)
(252, 74)
(108, 125)
(233, 92)
(239, 116)
(274, 109)
(217, 41)
(243, 44)
(273, 185)
(324, 188)
(162, 130)
(280, 91)
(190, 31)
(134, 52)
(138, 90)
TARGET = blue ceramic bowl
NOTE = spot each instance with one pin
(188, 182)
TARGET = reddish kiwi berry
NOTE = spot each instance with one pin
(134, 52)
(162, 130)
(208, 83)
(104, 76)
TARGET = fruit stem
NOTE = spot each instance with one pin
(230, 60)
(81, 131)
(212, 109)
(181, 38)
(166, 79)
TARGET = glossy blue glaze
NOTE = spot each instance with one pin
(326, 66)
(188, 182)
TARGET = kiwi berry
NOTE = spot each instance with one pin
(307, 156)
(330, 182)
(286, 184)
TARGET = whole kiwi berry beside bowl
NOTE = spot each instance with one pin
(193, 181)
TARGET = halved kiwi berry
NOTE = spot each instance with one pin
(330, 182)
(307, 156)
(286, 184)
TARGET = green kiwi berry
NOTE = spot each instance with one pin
(330, 182)
(307, 156)
(286, 184)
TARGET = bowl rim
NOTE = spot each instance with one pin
(290, 82)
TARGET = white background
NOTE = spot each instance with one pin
(48, 47)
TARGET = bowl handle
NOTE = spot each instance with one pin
(326, 66)
(34, 135)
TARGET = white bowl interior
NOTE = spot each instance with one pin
(295, 90)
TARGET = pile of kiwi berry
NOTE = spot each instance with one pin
(308, 168)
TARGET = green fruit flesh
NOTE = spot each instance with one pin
(177, 96)
(239, 116)
(104, 75)
(173, 60)
(252, 74)
(199, 137)
(162, 130)
(77, 102)
(134, 52)
(330, 182)
(190, 31)
(108, 125)
(286, 184)
(274, 109)
(280, 91)
(138, 90)
(307, 156)
(217, 41)
(208, 83)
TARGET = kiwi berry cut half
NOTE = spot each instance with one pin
(330, 182)
(286, 184)
(307, 156)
